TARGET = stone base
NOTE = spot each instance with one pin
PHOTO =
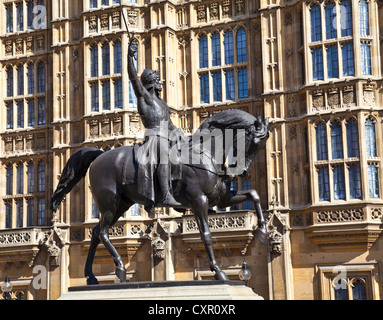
(164, 290)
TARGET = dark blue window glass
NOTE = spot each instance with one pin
(118, 94)
(352, 139)
(241, 46)
(117, 57)
(41, 176)
(31, 113)
(242, 83)
(365, 58)
(94, 61)
(345, 18)
(8, 214)
(370, 138)
(20, 16)
(363, 18)
(336, 141)
(321, 141)
(330, 20)
(94, 96)
(41, 111)
(339, 189)
(348, 59)
(9, 82)
(354, 179)
(203, 52)
(204, 88)
(323, 184)
(216, 49)
(373, 181)
(105, 2)
(317, 56)
(20, 80)
(9, 179)
(229, 47)
(217, 86)
(41, 77)
(9, 107)
(20, 114)
(105, 59)
(233, 190)
(9, 18)
(20, 178)
(230, 85)
(30, 15)
(31, 79)
(316, 24)
(106, 95)
(332, 62)
(359, 290)
(93, 3)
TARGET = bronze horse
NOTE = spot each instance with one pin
(199, 187)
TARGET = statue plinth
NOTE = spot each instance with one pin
(164, 290)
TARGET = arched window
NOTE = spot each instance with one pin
(94, 61)
(20, 80)
(105, 59)
(330, 15)
(363, 18)
(346, 18)
(41, 77)
(316, 24)
(31, 78)
(9, 81)
(9, 179)
(20, 178)
(203, 52)
(321, 141)
(336, 140)
(117, 57)
(229, 47)
(370, 138)
(216, 49)
(241, 45)
(352, 139)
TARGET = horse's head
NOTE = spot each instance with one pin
(256, 137)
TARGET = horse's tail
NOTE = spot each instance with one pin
(75, 169)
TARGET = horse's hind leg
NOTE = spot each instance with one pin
(92, 250)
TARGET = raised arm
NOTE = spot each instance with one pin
(139, 89)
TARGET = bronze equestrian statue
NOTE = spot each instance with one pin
(114, 181)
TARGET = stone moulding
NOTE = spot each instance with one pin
(229, 230)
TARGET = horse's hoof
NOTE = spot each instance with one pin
(262, 235)
(220, 275)
(121, 274)
(91, 281)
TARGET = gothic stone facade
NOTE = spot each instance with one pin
(313, 66)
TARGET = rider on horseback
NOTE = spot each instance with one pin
(155, 116)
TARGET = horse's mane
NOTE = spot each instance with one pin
(236, 119)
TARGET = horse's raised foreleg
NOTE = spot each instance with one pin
(200, 208)
(92, 250)
(249, 195)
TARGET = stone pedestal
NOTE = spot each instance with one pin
(164, 290)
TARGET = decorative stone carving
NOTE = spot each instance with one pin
(348, 95)
(239, 7)
(158, 236)
(226, 9)
(93, 24)
(333, 98)
(368, 94)
(40, 42)
(214, 11)
(318, 100)
(19, 47)
(201, 13)
(116, 20)
(29, 44)
(132, 19)
(104, 22)
(8, 47)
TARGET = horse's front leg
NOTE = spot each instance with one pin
(200, 208)
(249, 195)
